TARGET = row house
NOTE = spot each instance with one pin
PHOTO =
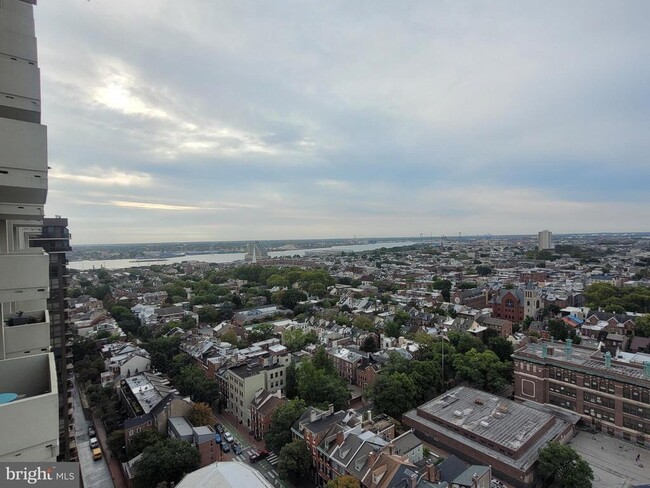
(262, 409)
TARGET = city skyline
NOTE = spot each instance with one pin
(234, 121)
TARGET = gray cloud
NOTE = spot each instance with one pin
(344, 118)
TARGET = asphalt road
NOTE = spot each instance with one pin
(95, 474)
(264, 466)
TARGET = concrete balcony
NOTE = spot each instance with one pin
(23, 162)
(34, 338)
(23, 276)
(18, 79)
(18, 17)
(24, 145)
(29, 423)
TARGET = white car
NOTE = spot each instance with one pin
(93, 442)
(228, 436)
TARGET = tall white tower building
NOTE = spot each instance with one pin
(544, 240)
(29, 423)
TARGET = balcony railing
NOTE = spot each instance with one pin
(32, 337)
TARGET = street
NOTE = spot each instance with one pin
(93, 473)
(265, 466)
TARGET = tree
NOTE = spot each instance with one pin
(144, 439)
(345, 481)
(291, 381)
(364, 323)
(116, 444)
(392, 329)
(558, 329)
(483, 270)
(444, 286)
(294, 461)
(502, 347)
(295, 339)
(483, 369)
(642, 326)
(282, 420)
(562, 465)
(230, 337)
(369, 344)
(260, 332)
(168, 461)
(191, 381)
(201, 414)
(320, 387)
(394, 394)
(290, 298)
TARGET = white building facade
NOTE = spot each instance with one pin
(28, 383)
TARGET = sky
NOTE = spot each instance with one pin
(208, 120)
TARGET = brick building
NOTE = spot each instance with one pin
(262, 408)
(611, 395)
(508, 305)
(482, 428)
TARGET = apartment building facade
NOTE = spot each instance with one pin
(611, 395)
(29, 405)
(243, 382)
(55, 240)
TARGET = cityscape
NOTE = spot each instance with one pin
(298, 259)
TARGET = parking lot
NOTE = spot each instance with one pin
(613, 460)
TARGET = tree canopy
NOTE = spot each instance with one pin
(294, 461)
(168, 460)
(282, 420)
(562, 465)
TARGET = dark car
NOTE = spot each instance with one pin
(225, 447)
(219, 428)
(237, 448)
(258, 456)
(91, 431)
(217, 438)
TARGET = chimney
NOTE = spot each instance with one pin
(569, 348)
(330, 409)
(414, 480)
(313, 415)
(608, 360)
(339, 438)
(372, 456)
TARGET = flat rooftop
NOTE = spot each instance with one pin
(495, 419)
(514, 428)
(580, 357)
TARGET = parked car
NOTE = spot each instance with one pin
(219, 428)
(225, 447)
(258, 456)
(97, 454)
(91, 431)
(93, 442)
(228, 436)
(217, 438)
(237, 448)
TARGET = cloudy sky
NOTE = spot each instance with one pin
(212, 120)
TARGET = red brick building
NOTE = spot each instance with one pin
(509, 305)
(262, 408)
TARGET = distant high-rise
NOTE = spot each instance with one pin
(29, 421)
(545, 240)
(55, 240)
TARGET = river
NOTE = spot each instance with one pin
(225, 257)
